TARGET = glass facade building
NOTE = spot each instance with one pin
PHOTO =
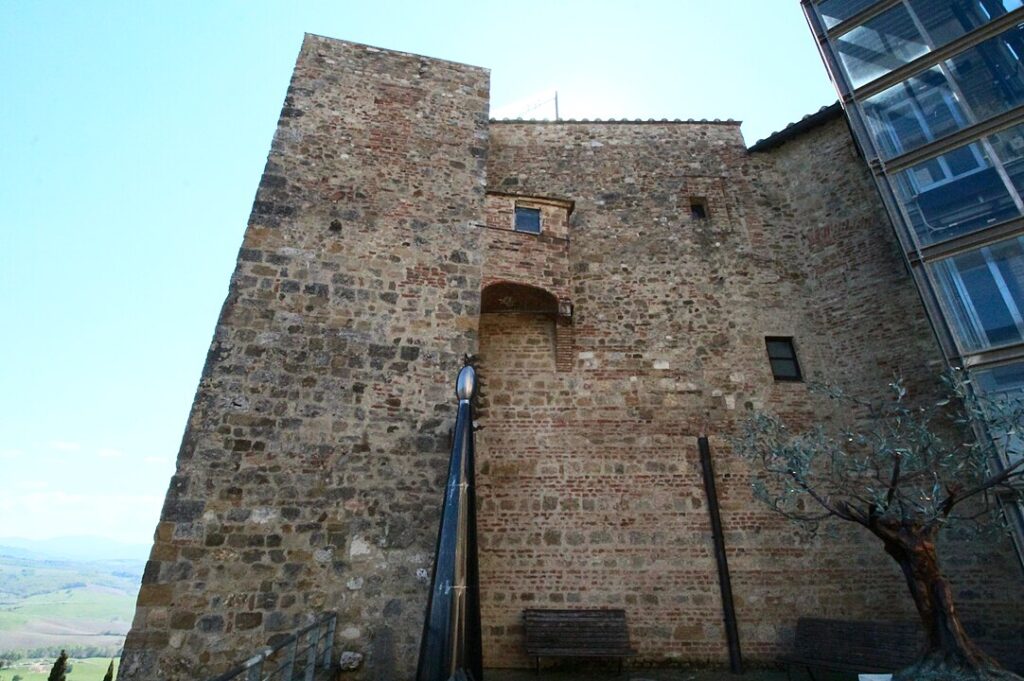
(934, 94)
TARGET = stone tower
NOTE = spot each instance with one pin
(384, 245)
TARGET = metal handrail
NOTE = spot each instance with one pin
(451, 646)
(292, 660)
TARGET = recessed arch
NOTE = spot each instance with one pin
(511, 297)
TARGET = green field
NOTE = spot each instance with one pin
(96, 604)
(55, 604)
(86, 669)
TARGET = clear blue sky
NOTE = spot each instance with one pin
(134, 135)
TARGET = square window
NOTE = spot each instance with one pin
(528, 220)
(698, 208)
(782, 357)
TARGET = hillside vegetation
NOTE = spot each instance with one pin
(85, 669)
(48, 604)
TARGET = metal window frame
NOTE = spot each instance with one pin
(789, 341)
(916, 256)
(852, 22)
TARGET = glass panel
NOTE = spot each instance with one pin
(913, 113)
(835, 11)
(983, 291)
(989, 75)
(880, 45)
(785, 369)
(780, 349)
(1005, 380)
(528, 220)
(953, 194)
(946, 20)
(1009, 147)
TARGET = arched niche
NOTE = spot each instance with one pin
(504, 297)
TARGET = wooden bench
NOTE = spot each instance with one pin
(577, 633)
(879, 647)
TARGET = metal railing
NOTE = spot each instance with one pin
(296, 658)
(451, 644)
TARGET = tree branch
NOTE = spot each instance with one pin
(955, 497)
(894, 479)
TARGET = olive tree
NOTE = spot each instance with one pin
(904, 469)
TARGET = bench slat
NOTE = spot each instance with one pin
(577, 633)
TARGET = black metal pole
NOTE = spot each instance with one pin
(731, 632)
(451, 644)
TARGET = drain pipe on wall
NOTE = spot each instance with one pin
(731, 631)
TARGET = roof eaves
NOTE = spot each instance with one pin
(808, 122)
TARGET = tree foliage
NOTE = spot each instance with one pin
(894, 459)
(904, 469)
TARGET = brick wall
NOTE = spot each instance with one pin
(590, 488)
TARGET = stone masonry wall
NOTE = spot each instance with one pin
(861, 292)
(591, 496)
(540, 260)
(590, 488)
(309, 475)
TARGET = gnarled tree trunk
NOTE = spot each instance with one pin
(949, 654)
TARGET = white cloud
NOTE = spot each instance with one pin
(11, 453)
(65, 446)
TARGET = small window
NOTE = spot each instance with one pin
(782, 356)
(528, 220)
(698, 208)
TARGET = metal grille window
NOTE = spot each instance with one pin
(528, 220)
(782, 357)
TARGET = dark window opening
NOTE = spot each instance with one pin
(698, 209)
(528, 220)
(782, 356)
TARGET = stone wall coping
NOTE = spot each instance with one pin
(808, 122)
(617, 121)
(374, 48)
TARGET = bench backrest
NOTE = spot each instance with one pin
(590, 630)
(885, 645)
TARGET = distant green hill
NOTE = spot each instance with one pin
(82, 669)
(53, 604)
